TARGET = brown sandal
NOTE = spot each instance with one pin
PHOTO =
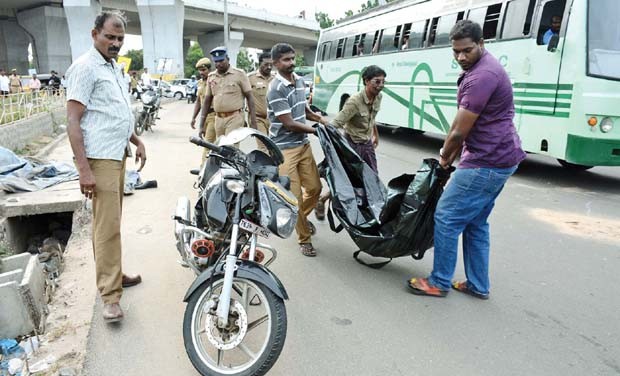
(463, 286)
(311, 228)
(307, 249)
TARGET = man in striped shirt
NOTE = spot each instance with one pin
(100, 129)
(288, 110)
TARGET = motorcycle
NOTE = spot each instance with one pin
(235, 319)
(151, 101)
(191, 89)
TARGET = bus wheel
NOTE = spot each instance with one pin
(573, 166)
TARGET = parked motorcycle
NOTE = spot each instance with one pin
(191, 89)
(151, 101)
(235, 320)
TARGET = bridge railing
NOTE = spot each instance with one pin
(14, 107)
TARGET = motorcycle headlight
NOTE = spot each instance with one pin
(283, 217)
(235, 186)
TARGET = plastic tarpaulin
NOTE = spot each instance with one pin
(392, 221)
(21, 175)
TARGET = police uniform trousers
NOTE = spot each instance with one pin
(106, 237)
(300, 167)
(224, 125)
(262, 124)
(209, 133)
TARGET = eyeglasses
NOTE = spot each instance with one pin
(378, 81)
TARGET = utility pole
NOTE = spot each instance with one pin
(226, 24)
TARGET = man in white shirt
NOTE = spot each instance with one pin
(100, 127)
(146, 77)
(4, 82)
(35, 83)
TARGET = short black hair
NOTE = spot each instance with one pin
(466, 29)
(107, 14)
(371, 72)
(280, 49)
(263, 56)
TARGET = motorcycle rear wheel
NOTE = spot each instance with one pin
(258, 348)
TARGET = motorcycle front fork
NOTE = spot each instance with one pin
(230, 266)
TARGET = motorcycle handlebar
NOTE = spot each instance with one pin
(200, 142)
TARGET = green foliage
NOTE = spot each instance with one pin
(244, 61)
(299, 60)
(137, 59)
(348, 13)
(194, 53)
(323, 20)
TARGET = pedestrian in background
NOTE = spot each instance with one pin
(260, 81)
(133, 85)
(357, 118)
(5, 86)
(100, 129)
(288, 110)
(34, 84)
(226, 88)
(491, 152)
(145, 78)
(15, 82)
(54, 82)
(204, 68)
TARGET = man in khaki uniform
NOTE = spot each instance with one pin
(226, 88)
(259, 81)
(204, 66)
(15, 82)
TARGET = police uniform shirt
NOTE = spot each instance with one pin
(260, 86)
(227, 89)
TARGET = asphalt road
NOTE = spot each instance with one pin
(554, 304)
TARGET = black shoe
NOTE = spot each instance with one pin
(147, 184)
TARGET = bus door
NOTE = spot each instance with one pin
(546, 95)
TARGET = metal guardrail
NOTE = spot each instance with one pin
(19, 106)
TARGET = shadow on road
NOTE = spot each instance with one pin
(535, 169)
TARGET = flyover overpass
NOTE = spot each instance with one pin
(59, 30)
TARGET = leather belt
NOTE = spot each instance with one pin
(262, 117)
(226, 114)
(211, 110)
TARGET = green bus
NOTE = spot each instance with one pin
(567, 93)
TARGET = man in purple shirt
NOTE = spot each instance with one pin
(491, 152)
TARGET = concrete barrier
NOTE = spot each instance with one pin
(23, 306)
(17, 135)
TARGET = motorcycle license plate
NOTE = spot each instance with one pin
(255, 229)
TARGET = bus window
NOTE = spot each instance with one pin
(387, 40)
(478, 15)
(432, 32)
(325, 51)
(550, 20)
(356, 43)
(516, 19)
(491, 21)
(404, 42)
(350, 49)
(442, 37)
(333, 50)
(340, 49)
(417, 34)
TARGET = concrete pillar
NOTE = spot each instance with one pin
(48, 26)
(13, 47)
(309, 56)
(161, 22)
(214, 39)
(186, 44)
(81, 16)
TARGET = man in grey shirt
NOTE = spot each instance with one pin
(287, 110)
(100, 129)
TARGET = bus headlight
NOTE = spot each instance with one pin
(607, 125)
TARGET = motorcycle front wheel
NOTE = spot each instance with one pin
(253, 339)
(140, 122)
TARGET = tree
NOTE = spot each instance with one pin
(244, 61)
(323, 20)
(194, 53)
(137, 59)
(348, 13)
(300, 61)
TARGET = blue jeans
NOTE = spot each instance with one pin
(464, 208)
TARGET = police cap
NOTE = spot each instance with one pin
(218, 53)
(203, 63)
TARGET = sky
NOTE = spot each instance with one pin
(335, 9)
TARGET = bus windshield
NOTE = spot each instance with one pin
(604, 39)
